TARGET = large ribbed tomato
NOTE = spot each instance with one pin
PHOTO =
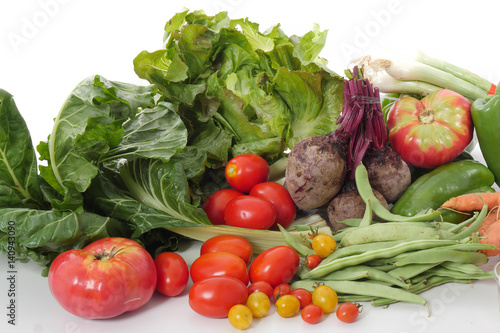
(432, 131)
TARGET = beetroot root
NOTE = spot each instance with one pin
(315, 171)
(348, 204)
(388, 173)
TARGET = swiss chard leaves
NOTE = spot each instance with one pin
(19, 185)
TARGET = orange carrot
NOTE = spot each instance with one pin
(472, 201)
(492, 217)
(492, 236)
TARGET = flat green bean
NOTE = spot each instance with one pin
(382, 232)
(325, 268)
(357, 249)
(359, 272)
(408, 271)
(364, 289)
(439, 255)
(294, 243)
(368, 215)
(464, 268)
(465, 232)
(366, 192)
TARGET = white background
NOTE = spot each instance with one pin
(48, 46)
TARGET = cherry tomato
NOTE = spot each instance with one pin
(287, 306)
(283, 203)
(173, 273)
(215, 204)
(313, 260)
(245, 171)
(326, 298)
(240, 316)
(311, 314)
(229, 243)
(348, 312)
(275, 265)
(259, 303)
(214, 296)
(262, 286)
(106, 278)
(304, 296)
(250, 212)
(323, 245)
(281, 289)
(219, 264)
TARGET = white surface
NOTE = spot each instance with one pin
(48, 46)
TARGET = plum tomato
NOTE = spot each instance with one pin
(250, 212)
(106, 278)
(304, 296)
(262, 286)
(219, 264)
(348, 312)
(173, 273)
(213, 297)
(275, 265)
(216, 203)
(244, 171)
(278, 195)
(229, 243)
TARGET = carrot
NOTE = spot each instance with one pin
(473, 201)
(492, 236)
(492, 217)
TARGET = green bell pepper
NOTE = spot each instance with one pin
(442, 183)
(486, 118)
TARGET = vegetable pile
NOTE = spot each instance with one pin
(248, 142)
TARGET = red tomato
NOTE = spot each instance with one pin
(432, 131)
(250, 212)
(304, 296)
(246, 170)
(281, 289)
(219, 264)
(311, 314)
(216, 203)
(173, 273)
(103, 280)
(262, 286)
(214, 297)
(229, 243)
(313, 260)
(278, 195)
(275, 265)
(348, 312)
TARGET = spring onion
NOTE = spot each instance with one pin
(423, 74)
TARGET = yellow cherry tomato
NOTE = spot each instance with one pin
(240, 316)
(323, 245)
(326, 298)
(259, 303)
(287, 306)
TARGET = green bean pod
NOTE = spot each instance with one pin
(366, 193)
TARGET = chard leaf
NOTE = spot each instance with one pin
(162, 186)
(94, 101)
(156, 132)
(40, 235)
(308, 47)
(19, 186)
